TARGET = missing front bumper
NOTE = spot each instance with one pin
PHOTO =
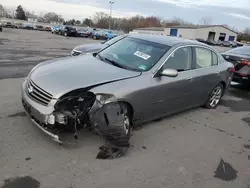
(52, 135)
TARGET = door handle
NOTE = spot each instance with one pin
(189, 79)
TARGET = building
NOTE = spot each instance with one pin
(32, 19)
(205, 32)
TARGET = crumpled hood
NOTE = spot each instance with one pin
(60, 76)
(90, 47)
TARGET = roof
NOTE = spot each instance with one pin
(152, 28)
(184, 27)
(166, 40)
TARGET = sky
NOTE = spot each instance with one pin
(235, 13)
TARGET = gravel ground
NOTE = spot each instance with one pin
(180, 151)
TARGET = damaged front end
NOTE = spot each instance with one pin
(100, 112)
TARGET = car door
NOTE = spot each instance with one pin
(173, 94)
(207, 72)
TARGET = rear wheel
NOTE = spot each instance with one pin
(94, 37)
(214, 97)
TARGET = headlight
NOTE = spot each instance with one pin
(105, 98)
(102, 99)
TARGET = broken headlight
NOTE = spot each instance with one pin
(102, 99)
(105, 98)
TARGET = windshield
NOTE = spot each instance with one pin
(134, 54)
(241, 50)
(113, 40)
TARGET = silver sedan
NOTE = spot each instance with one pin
(137, 79)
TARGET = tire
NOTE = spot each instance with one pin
(127, 114)
(214, 97)
(65, 34)
(94, 37)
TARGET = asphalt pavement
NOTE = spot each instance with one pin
(21, 50)
(198, 148)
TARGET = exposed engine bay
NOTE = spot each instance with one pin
(97, 112)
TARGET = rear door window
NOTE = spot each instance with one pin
(203, 57)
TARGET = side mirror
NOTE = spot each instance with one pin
(169, 73)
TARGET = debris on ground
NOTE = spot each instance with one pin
(247, 146)
(225, 171)
(27, 158)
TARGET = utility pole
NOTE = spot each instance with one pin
(110, 13)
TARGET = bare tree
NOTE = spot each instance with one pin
(53, 17)
(7, 13)
(206, 20)
(247, 30)
(101, 19)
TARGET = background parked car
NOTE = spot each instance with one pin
(40, 28)
(82, 32)
(67, 31)
(8, 25)
(229, 44)
(56, 29)
(239, 44)
(91, 48)
(211, 42)
(18, 25)
(53, 28)
(201, 40)
(47, 28)
(240, 57)
(28, 26)
(99, 34)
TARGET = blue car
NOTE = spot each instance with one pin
(55, 29)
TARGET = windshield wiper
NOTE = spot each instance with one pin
(114, 63)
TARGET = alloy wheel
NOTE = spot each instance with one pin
(126, 123)
(215, 96)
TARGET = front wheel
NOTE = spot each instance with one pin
(65, 34)
(214, 97)
(127, 119)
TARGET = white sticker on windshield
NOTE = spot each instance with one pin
(142, 55)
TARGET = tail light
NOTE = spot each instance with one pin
(245, 62)
(231, 69)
